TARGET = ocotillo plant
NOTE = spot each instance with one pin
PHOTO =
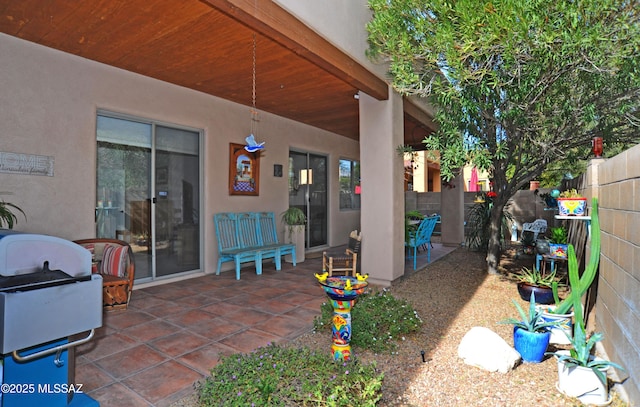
(580, 284)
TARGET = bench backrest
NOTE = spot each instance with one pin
(226, 231)
(268, 229)
(248, 230)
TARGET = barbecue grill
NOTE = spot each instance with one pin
(47, 294)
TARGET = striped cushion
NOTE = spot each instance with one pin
(114, 260)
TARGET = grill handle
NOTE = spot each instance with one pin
(49, 351)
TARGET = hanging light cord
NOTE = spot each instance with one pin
(254, 111)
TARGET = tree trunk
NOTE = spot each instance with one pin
(494, 249)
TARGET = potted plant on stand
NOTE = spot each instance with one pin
(558, 242)
(530, 332)
(563, 310)
(7, 216)
(294, 232)
(571, 203)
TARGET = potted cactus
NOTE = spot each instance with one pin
(580, 373)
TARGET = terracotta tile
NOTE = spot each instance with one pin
(130, 361)
(147, 302)
(276, 306)
(206, 357)
(108, 345)
(282, 326)
(162, 381)
(246, 299)
(191, 317)
(223, 308)
(198, 301)
(117, 395)
(169, 308)
(248, 316)
(304, 314)
(249, 340)
(178, 343)
(125, 319)
(151, 330)
(92, 377)
(217, 328)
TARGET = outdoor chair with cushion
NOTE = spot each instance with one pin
(346, 262)
(422, 238)
(113, 260)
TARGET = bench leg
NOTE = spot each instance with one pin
(219, 267)
(237, 268)
(293, 256)
(278, 260)
(259, 263)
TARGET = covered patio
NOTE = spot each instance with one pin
(172, 334)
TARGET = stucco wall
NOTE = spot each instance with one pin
(616, 182)
(48, 105)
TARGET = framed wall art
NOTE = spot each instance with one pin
(244, 171)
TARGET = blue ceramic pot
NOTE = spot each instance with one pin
(544, 295)
(531, 345)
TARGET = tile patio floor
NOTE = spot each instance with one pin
(173, 334)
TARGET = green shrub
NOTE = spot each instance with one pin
(378, 321)
(280, 376)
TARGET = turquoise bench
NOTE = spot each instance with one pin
(249, 237)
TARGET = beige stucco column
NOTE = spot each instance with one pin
(452, 212)
(382, 212)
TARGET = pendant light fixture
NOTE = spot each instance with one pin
(252, 145)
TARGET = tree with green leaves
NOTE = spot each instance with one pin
(516, 84)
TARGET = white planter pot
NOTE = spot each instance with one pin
(295, 235)
(582, 383)
(560, 334)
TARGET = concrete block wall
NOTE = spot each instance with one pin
(616, 183)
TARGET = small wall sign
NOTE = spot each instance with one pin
(29, 164)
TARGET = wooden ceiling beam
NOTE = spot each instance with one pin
(271, 20)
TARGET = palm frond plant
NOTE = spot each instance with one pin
(479, 221)
(7, 216)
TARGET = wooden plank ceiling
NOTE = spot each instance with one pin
(208, 46)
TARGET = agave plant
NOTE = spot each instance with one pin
(533, 276)
(7, 216)
(532, 321)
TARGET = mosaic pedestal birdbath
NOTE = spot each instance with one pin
(342, 292)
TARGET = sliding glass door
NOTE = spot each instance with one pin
(308, 191)
(148, 193)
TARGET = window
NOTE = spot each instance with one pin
(349, 184)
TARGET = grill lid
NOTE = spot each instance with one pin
(38, 279)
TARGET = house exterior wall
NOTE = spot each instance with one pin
(49, 102)
(616, 183)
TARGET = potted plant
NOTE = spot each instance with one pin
(534, 281)
(558, 242)
(295, 220)
(7, 216)
(571, 203)
(530, 332)
(580, 373)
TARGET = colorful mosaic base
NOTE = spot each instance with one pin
(341, 352)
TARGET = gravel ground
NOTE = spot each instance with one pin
(452, 295)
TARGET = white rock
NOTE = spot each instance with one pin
(483, 348)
